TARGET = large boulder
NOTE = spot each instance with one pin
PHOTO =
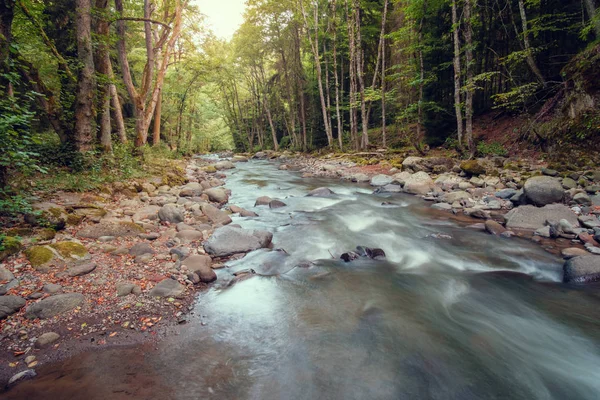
(231, 240)
(10, 305)
(54, 305)
(427, 164)
(582, 269)
(221, 165)
(262, 201)
(216, 216)
(542, 190)
(419, 183)
(191, 189)
(171, 213)
(116, 229)
(532, 218)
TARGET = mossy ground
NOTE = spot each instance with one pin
(39, 255)
(70, 249)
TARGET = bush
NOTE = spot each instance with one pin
(491, 149)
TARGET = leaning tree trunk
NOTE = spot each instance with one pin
(360, 63)
(591, 10)
(84, 103)
(530, 60)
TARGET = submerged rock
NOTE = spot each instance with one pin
(320, 192)
(365, 252)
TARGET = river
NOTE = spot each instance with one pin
(463, 315)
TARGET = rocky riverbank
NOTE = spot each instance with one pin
(116, 267)
(510, 197)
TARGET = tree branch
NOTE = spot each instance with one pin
(153, 21)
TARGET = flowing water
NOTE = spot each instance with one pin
(470, 317)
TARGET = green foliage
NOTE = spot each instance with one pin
(491, 149)
(12, 205)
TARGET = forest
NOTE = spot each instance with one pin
(85, 82)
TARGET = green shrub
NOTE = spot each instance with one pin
(491, 149)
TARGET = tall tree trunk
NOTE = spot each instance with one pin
(528, 51)
(84, 103)
(338, 113)
(420, 122)
(352, 72)
(457, 72)
(157, 117)
(591, 10)
(468, 11)
(103, 65)
(299, 72)
(314, 43)
(360, 62)
(6, 20)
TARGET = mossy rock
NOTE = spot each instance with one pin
(10, 245)
(472, 167)
(21, 232)
(209, 168)
(46, 234)
(39, 256)
(90, 212)
(70, 249)
(120, 229)
(73, 219)
(55, 212)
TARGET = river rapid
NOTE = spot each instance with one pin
(452, 313)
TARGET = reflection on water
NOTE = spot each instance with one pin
(472, 317)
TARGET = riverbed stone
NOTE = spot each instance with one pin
(222, 165)
(494, 227)
(320, 192)
(531, 218)
(201, 266)
(276, 204)
(217, 195)
(360, 177)
(148, 212)
(401, 177)
(141, 248)
(459, 195)
(116, 229)
(589, 221)
(419, 183)
(6, 275)
(216, 216)
(81, 269)
(189, 235)
(381, 180)
(54, 305)
(191, 189)
(229, 240)
(171, 213)
(10, 305)
(472, 168)
(442, 206)
(167, 288)
(582, 199)
(582, 269)
(46, 339)
(262, 201)
(543, 190)
(568, 183)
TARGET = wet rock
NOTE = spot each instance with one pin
(494, 227)
(21, 376)
(263, 201)
(236, 159)
(359, 178)
(141, 248)
(587, 238)
(349, 256)
(10, 305)
(170, 213)
(543, 190)
(582, 269)
(593, 249)
(442, 206)
(531, 217)
(167, 288)
(242, 212)
(116, 229)
(419, 183)
(230, 240)
(216, 216)
(81, 269)
(54, 305)
(320, 192)
(381, 180)
(389, 189)
(46, 339)
(217, 195)
(476, 213)
(573, 252)
(544, 231)
(276, 204)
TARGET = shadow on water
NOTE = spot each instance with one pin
(468, 317)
